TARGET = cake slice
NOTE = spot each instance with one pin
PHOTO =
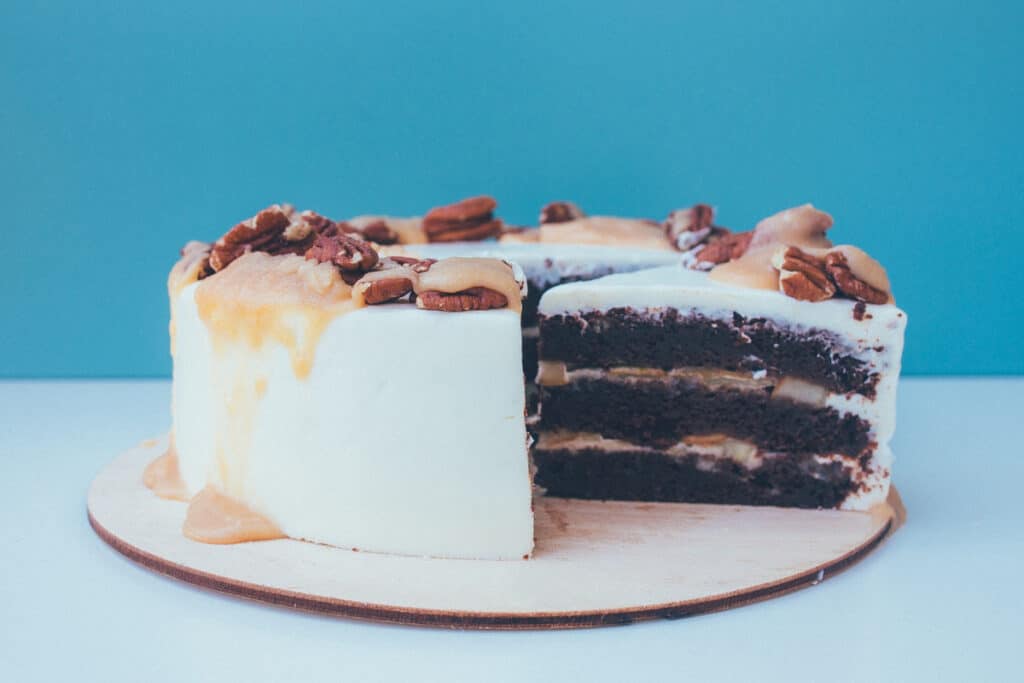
(768, 379)
(326, 393)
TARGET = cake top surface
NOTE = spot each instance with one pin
(787, 253)
(281, 259)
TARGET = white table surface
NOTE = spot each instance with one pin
(942, 600)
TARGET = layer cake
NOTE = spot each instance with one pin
(763, 374)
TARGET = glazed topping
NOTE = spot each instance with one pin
(606, 230)
(802, 226)
(565, 223)
(790, 252)
(286, 299)
(163, 477)
(214, 517)
(453, 284)
(461, 276)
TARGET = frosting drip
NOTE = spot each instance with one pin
(803, 226)
(285, 299)
(163, 477)
(193, 262)
(451, 275)
(213, 517)
(460, 273)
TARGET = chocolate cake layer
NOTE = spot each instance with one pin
(790, 480)
(661, 413)
(625, 336)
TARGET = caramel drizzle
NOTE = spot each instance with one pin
(606, 230)
(449, 276)
(285, 299)
(214, 517)
(163, 477)
(803, 227)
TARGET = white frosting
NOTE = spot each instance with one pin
(406, 437)
(877, 339)
(546, 264)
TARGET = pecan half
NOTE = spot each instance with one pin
(686, 228)
(380, 232)
(384, 289)
(839, 268)
(802, 276)
(469, 219)
(560, 212)
(260, 233)
(725, 247)
(472, 299)
(353, 255)
(317, 222)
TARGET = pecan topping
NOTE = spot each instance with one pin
(469, 219)
(379, 232)
(724, 246)
(263, 232)
(472, 299)
(802, 276)
(686, 228)
(839, 268)
(384, 289)
(314, 220)
(352, 254)
(560, 212)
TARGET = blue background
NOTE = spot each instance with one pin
(125, 131)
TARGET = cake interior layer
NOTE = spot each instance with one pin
(662, 411)
(669, 338)
(788, 480)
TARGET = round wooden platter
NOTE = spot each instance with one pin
(595, 563)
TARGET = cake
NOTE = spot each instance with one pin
(327, 393)
(360, 383)
(762, 371)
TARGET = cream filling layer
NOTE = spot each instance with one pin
(556, 373)
(710, 446)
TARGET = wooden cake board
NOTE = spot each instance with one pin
(596, 563)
